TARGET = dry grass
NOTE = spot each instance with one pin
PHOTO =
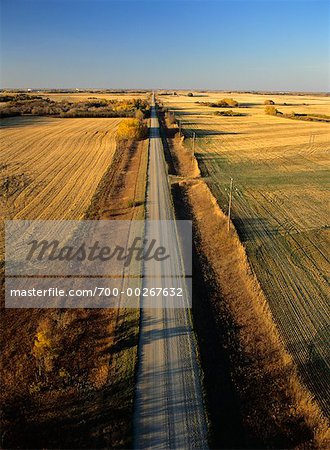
(279, 209)
(184, 160)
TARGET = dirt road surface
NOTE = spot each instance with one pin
(169, 410)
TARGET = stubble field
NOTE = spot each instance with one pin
(280, 208)
(50, 167)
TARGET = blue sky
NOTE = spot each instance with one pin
(219, 44)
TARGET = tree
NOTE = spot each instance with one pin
(45, 347)
(271, 110)
(225, 103)
(230, 102)
(190, 94)
(132, 129)
(139, 114)
(170, 118)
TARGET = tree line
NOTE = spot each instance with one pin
(39, 106)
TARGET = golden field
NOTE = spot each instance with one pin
(50, 167)
(280, 208)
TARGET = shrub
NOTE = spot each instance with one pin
(271, 110)
(132, 203)
(139, 114)
(229, 113)
(9, 112)
(35, 388)
(132, 129)
(19, 105)
(269, 102)
(190, 94)
(7, 98)
(96, 104)
(229, 102)
(64, 375)
(45, 347)
(170, 118)
(224, 103)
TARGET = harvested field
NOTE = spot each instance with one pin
(280, 200)
(264, 394)
(51, 167)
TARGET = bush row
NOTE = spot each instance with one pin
(272, 111)
(21, 105)
(132, 129)
(224, 103)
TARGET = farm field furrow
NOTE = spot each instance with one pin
(50, 168)
(280, 198)
(61, 158)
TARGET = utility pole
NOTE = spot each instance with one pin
(193, 146)
(230, 201)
